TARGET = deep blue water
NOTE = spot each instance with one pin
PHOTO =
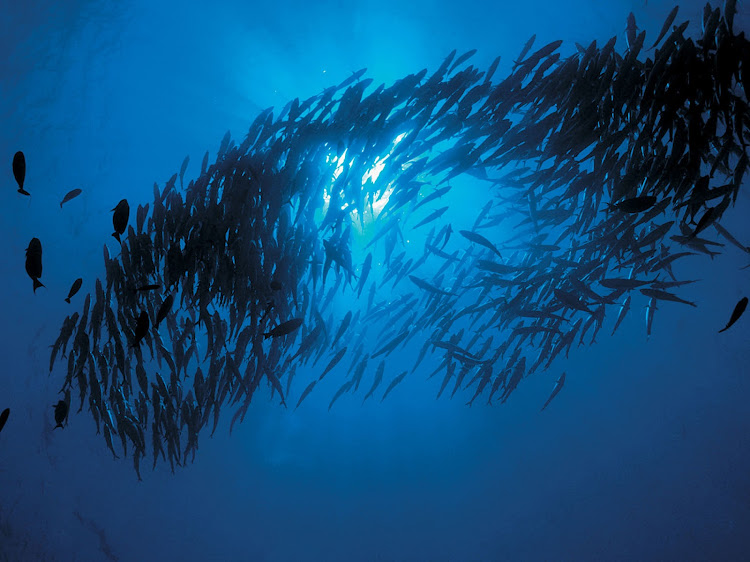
(644, 455)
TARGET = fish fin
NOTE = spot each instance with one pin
(37, 284)
(116, 235)
(22, 191)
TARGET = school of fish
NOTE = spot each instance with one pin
(601, 168)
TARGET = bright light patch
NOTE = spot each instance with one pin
(380, 198)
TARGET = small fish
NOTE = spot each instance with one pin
(164, 309)
(141, 328)
(74, 289)
(665, 296)
(72, 194)
(665, 27)
(183, 168)
(4, 418)
(34, 262)
(524, 51)
(479, 239)
(19, 171)
(61, 413)
(558, 387)
(736, 313)
(120, 218)
(149, 287)
(305, 392)
(636, 204)
(284, 328)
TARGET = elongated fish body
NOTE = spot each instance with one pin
(34, 262)
(72, 194)
(120, 218)
(19, 171)
(650, 309)
(4, 418)
(74, 289)
(284, 328)
(739, 309)
(558, 387)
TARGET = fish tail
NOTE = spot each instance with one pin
(267, 335)
(37, 284)
(116, 235)
(22, 191)
(67, 300)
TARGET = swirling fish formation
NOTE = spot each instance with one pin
(604, 167)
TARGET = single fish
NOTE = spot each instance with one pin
(141, 328)
(150, 287)
(72, 194)
(736, 313)
(558, 387)
(34, 262)
(479, 239)
(19, 171)
(61, 413)
(120, 218)
(74, 289)
(164, 309)
(284, 328)
(4, 418)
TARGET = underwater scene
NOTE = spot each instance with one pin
(388, 281)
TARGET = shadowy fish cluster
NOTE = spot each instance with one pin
(603, 170)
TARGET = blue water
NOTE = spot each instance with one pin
(644, 455)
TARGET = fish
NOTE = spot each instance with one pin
(557, 388)
(479, 239)
(164, 309)
(305, 392)
(665, 27)
(525, 51)
(333, 362)
(61, 413)
(183, 168)
(397, 379)
(74, 289)
(72, 194)
(736, 313)
(34, 262)
(623, 312)
(366, 267)
(658, 294)
(19, 171)
(636, 205)
(284, 328)
(149, 287)
(631, 30)
(4, 417)
(141, 328)
(431, 217)
(120, 218)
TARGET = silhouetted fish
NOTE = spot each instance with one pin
(74, 289)
(120, 218)
(284, 328)
(34, 262)
(736, 313)
(19, 171)
(72, 194)
(4, 418)
(61, 413)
